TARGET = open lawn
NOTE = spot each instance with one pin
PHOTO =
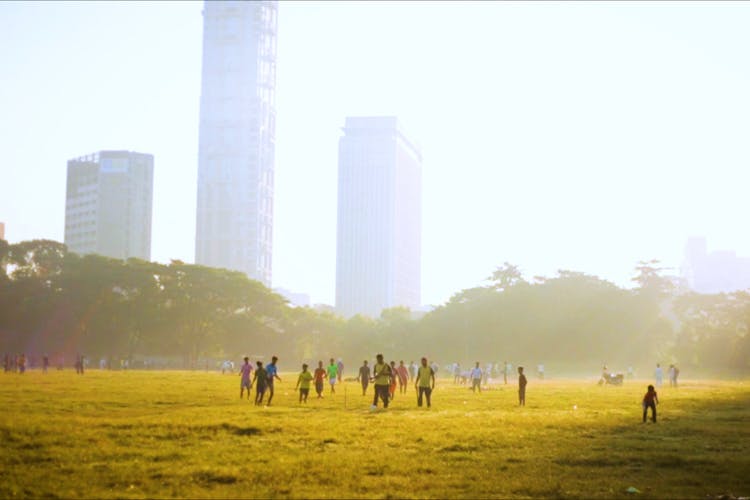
(187, 434)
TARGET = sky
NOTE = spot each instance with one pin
(581, 136)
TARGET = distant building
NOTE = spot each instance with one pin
(296, 299)
(714, 272)
(234, 221)
(2, 230)
(108, 204)
(378, 251)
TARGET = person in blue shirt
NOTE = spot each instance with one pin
(272, 373)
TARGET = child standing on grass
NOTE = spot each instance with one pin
(245, 383)
(521, 387)
(303, 383)
(650, 400)
(260, 379)
(320, 374)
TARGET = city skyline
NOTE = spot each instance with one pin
(613, 144)
(379, 223)
(234, 221)
(108, 204)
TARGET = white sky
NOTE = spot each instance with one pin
(583, 136)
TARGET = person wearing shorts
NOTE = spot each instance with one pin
(245, 383)
(320, 374)
(333, 371)
(303, 383)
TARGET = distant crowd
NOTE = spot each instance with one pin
(387, 378)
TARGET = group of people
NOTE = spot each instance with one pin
(386, 378)
(263, 379)
(18, 363)
(672, 373)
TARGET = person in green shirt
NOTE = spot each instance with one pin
(303, 384)
(333, 371)
(382, 374)
(425, 382)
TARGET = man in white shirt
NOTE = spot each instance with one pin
(476, 378)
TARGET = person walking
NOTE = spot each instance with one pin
(340, 372)
(506, 372)
(272, 373)
(382, 378)
(320, 375)
(403, 377)
(245, 383)
(521, 387)
(394, 377)
(476, 378)
(333, 371)
(364, 376)
(424, 383)
(261, 380)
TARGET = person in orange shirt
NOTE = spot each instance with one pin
(394, 378)
(650, 400)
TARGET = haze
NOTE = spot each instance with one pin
(582, 136)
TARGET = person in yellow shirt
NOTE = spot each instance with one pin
(303, 383)
(382, 375)
(425, 382)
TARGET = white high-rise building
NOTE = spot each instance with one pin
(378, 252)
(234, 223)
(108, 204)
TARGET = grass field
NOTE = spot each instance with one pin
(187, 434)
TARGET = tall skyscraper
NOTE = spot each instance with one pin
(108, 204)
(378, 251)
(234, 223)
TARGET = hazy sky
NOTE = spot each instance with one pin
(581, 136)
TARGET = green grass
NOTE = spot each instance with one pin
(187, 434)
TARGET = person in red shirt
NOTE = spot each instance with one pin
(320, 374)
(650, 400)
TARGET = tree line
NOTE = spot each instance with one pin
(58, 302)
